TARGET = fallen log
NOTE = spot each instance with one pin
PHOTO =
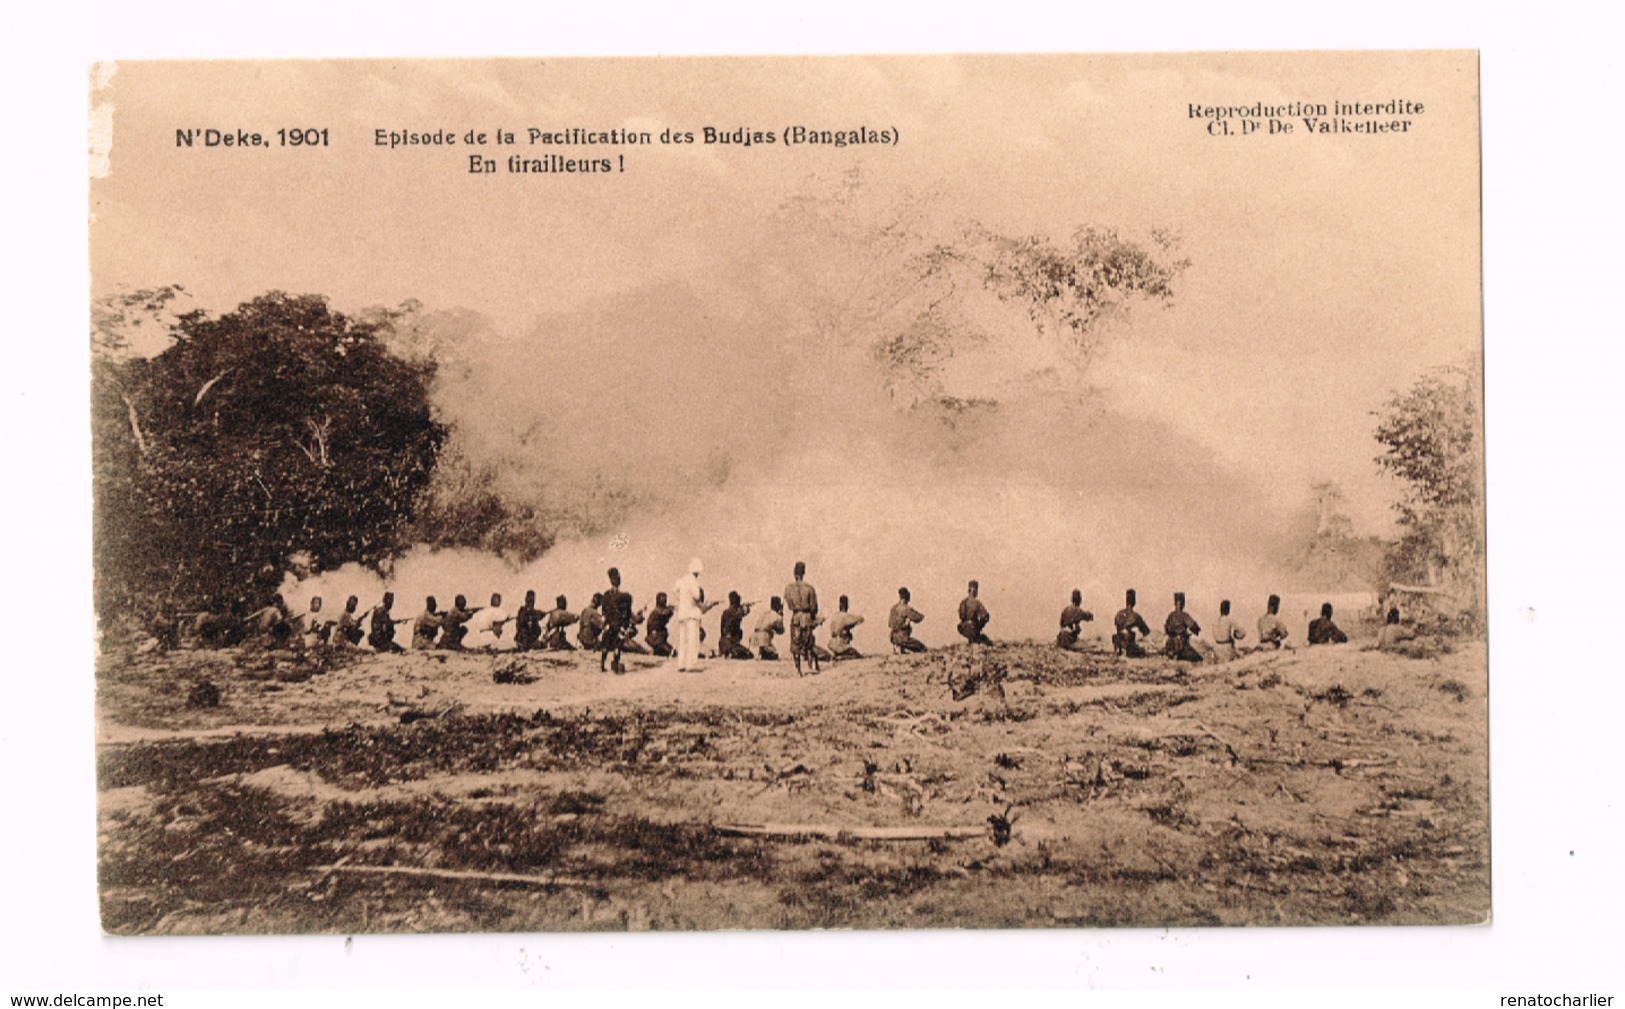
(463, 874)
(833, 832)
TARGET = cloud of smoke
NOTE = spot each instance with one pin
(743, 415)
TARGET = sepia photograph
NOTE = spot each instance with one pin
(788, 493)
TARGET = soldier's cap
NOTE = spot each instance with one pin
(694, 566)
(801, 567)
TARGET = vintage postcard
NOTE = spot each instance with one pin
(789, 493)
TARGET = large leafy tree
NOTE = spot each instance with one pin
(1430, 437)
(280, 433)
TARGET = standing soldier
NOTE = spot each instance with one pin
(731, 635)
(617, 621)
(1271, 628)
(557, 621)
(802, 599)
(454, 624)
(767, 625)
(427, 625)
(1127, 623)
(1072, 620)
(1226, 633)
(656, 635)
(381, 627)
(901, 624)
(691, 607)
(347, 633)
(840, 633)
(973, 616)
(1180, 628)
(1323, 631)
(527, 624)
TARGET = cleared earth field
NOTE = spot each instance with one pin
(1016, 785)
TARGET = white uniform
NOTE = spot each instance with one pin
(487, 629)
(690, 597)
(309, 627)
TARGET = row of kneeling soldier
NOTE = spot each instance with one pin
(608, 625)
(611, 626)
(1181, 630)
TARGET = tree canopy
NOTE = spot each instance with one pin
(277, 431)
(1430, 435)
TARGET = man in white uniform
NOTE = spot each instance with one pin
(312, 627)
(489, 628)
(691, 606)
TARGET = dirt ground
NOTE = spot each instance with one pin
(1334, 785)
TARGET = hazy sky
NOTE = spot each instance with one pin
(1326, 271)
